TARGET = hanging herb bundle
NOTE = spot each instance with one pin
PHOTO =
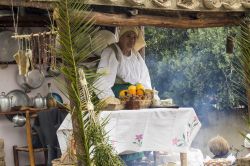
(74, 27)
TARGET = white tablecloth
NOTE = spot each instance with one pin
(157, 129)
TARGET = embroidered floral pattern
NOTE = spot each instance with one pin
(138, 139)
(184, 139)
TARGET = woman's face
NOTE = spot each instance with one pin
(127, 40)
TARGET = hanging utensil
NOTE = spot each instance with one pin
(35, 77)
(52, 69)
(23, 63)
(46, 48)
(22, 59)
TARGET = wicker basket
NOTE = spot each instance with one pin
(57, 162)
(138, 104)
(243, 161)
(217, 162)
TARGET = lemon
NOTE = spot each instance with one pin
(139, 86)
(140, 92)
(123, 93)
(132, 89)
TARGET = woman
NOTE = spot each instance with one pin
(123, 64)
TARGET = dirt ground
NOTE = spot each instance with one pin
(225, 123)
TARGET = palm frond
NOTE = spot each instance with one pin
(75, 42)
(242, 63)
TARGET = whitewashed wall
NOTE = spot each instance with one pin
(16, 135)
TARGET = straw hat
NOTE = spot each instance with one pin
(188, 4)
(102, 39)
(212, 4)
(162, 3)
(140, 42)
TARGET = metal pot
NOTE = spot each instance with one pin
(5, 102)
(19, 120)
(39, 101)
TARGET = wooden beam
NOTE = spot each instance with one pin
(108, 19)
(32, 4)
(26, 21)
(169, 19)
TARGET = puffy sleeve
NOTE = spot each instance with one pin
(108, 67)
(145, 77)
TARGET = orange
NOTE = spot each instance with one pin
(132, 89)
(123, 93)
(139, 86)
(140, 92)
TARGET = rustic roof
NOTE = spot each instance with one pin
(160, 13)
(179, 5)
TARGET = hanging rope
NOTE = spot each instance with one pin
(15, 23)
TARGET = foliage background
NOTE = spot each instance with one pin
(192, 66)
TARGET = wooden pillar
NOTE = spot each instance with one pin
(183, 158)
(29, 139)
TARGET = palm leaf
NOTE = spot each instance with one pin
(242, 67)
(75, 47)
(242, 64)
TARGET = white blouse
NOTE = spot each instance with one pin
(130, 69)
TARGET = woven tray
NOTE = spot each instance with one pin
(243, 161)
(138, 104)
(57, 162)
(217, 162)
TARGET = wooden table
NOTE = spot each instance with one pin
(28, 111)
(154, 129)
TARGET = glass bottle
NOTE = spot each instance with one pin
(51, 101)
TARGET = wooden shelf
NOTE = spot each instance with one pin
(22, 111)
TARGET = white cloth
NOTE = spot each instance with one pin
(130, 69)
(157, 129)
(194, 157)
(246, 141)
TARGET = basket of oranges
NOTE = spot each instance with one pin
(136, 97)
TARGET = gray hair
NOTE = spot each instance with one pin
(218, 146)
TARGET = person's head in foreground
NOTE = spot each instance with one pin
(219, 147)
